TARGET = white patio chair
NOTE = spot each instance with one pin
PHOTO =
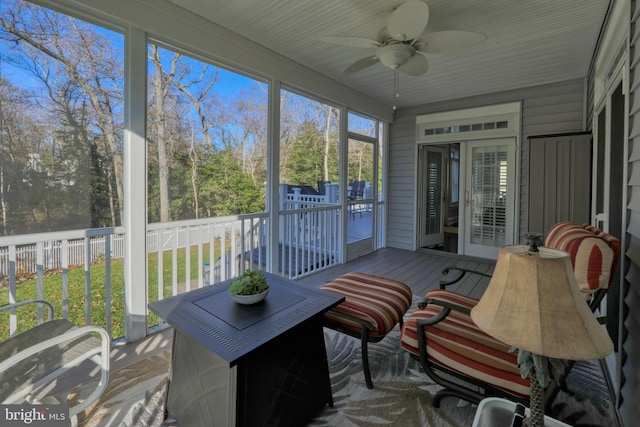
(33, 361)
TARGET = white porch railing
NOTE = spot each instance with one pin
(54, 251)
(184, 254)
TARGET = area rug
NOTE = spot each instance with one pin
(401, 396)
(402, 393)
(135, 396)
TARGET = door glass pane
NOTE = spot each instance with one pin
(309, 138)
(454, 191)
(488, 195)
(362, 125)
(359, 190)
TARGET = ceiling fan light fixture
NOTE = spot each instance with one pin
(395, 55)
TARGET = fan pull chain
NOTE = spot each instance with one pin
(396, 83)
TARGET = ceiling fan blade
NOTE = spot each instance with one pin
(416, 66)
(351, 41)
(449, 41)
(409, 20)
(360, 64)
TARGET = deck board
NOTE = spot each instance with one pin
(421, 270)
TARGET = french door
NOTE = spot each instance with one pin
(489, 196)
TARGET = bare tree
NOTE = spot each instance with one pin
(197, 95)
(68, 55)
(332, 114)
(161, 86)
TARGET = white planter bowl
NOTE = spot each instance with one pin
(249, 299)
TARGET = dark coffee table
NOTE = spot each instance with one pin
(257, 365)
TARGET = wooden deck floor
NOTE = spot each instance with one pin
(421, 270)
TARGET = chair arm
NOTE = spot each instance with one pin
(27, 302)
(461, 272)
(448, 306)
(103, 351)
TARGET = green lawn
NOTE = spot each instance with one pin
(53, 292)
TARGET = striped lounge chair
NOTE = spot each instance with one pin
(373, 306)
(450, 347)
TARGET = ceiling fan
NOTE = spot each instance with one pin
(401, 45)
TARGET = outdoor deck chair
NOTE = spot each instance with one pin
(472, 365)
(356, 193)
(32, 362)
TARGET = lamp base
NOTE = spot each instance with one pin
(536, 401)
(494, 411)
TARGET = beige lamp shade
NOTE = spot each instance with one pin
(533, 303)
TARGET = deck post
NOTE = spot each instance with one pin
(135, 189)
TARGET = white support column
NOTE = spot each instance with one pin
(344, 180)
(273, 177)
(135, 187)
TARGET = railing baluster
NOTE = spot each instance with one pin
(107, 282)
(232, 251)
(200, 256)
(87, 281)
(40, 277)
(13, 321)
(212, 253)
(295, 241)
(223, 253)
(64, 259)
(187, 258)
(241, 255)
(160, 268)
(174, 261)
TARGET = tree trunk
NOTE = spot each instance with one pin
(327, 134)
(194, 173)
(163, 167)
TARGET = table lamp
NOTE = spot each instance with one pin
(533, 303)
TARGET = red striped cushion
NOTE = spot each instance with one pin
(594, 253)
(457, 344)
(377, 300)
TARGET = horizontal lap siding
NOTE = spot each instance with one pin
(401, 183)
(630, 375)
(548, 109)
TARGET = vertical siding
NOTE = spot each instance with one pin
(548, 109)
(560, 180)
(630, 315)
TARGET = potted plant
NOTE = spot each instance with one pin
(250, 288)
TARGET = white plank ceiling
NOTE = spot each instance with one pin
(529, 42)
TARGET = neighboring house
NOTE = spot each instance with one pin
(604, 102)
